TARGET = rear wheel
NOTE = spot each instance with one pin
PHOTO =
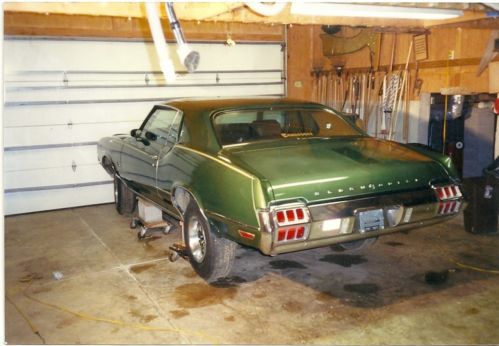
(212, 257)
(358, 244)
(124, 198)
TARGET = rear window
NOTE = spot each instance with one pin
(242, 126)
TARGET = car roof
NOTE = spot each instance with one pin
(196, 106)
(197, 115)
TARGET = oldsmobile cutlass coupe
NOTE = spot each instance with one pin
(274, 174)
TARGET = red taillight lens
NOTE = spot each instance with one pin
(291, 234)
(281, 218)
(281, 235)
(290, 214)
(300, 232)
(299, 214)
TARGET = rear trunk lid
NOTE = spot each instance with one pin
(318, 169)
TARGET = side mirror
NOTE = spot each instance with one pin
(151, 136)
(135, 133)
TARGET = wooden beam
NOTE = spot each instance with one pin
(35, 24)
(235, 12)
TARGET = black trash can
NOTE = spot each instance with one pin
(482, 213)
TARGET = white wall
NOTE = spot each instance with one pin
(62, 95)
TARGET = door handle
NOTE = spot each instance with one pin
(155, 160)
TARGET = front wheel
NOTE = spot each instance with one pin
(124, 198)
(212, 257)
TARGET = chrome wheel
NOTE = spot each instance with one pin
(197, 239)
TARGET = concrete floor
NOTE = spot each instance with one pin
(409, 288)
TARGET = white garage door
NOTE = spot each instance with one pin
(62, 95)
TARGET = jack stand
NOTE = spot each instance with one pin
(178, 250)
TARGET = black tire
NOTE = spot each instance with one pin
(124, 198)
(211, 256)
(358, 244)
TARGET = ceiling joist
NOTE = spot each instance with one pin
(235, 12)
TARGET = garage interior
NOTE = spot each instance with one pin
(76, 273)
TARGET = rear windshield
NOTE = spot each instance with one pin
(242, 126)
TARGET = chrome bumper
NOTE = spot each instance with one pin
(402, 211)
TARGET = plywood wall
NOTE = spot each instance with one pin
(465, 46)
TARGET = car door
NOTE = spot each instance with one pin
(141, 152)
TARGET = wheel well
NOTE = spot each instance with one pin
(181, 198)
(108, 165)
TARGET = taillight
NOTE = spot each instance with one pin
(291, 216)
(292, 223)
(448, 192)
(449, 197)
(291, 233)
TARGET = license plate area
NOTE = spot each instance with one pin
(370, 220)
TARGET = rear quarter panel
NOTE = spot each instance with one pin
(218, 186)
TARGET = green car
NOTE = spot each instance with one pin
(274, 174)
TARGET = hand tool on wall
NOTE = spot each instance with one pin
(401, 92)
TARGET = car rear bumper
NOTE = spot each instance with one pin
(401, 212)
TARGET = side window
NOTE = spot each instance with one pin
(162, 127)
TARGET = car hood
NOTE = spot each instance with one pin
(320, 169)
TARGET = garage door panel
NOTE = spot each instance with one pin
(38, 178)
(54, 176)
(57, 80)
(92, 94)
(63, 134)
(62, 96)
(76, 55)
(19, 160)
(75, 114)
(26, 202)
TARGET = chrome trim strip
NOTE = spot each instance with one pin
(226, 219)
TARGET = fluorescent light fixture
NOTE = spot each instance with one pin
(370, 11)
